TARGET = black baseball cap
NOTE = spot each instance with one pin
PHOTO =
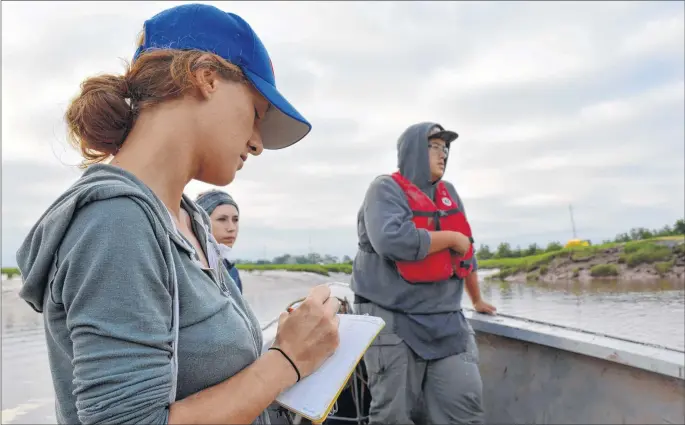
(438, 132)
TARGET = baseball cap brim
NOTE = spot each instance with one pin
(446, 135)
(282, 126)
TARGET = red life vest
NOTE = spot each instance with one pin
(446, 215)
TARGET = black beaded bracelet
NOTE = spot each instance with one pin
(289, 359)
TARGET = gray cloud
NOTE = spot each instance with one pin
(28, 189)
(555, 103)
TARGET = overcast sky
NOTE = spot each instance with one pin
(555, 103)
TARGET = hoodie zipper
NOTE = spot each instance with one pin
(219, 282)
(222, 283)
(181, 241)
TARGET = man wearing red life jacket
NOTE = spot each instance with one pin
(415, 257)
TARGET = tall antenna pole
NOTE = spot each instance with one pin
(573, 224)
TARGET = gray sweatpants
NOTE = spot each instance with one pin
(406, 389)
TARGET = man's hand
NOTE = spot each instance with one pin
(471, 285)
(460, 243)
(485, 308)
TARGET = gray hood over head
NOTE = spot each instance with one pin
(412, 155)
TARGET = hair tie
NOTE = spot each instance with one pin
(289, 359)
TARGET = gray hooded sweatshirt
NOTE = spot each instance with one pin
(132, 319)
(427, 316)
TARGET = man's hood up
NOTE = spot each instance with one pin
(412, 154)
(36, 255)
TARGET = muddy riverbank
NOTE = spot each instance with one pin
(635, 261)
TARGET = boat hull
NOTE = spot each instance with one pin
(530, 383)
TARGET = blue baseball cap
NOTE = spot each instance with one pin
(209, 29)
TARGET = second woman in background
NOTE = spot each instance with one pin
(224, 214)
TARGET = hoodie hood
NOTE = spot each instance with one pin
(37, 254)
(412, 155)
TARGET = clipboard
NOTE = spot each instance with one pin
(314, 396)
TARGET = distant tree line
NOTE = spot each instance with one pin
(311, 258)
(504, 249)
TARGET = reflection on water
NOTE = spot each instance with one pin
(652, 312)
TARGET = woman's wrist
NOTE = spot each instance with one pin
(292, 363)
(282, 372)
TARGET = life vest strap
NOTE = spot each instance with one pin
(449, 212)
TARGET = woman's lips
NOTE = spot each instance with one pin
(243, 158)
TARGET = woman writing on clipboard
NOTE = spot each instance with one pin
(141, 326)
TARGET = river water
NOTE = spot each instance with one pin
(652, 312)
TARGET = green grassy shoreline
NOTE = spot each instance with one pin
(322, 269)
(655, 252)
(10, 272)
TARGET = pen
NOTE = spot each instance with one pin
(293, 307)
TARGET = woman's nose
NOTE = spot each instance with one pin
(255, 143)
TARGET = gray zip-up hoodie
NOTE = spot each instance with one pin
(132, 319)
(428, 316)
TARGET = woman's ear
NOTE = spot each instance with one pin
(206, 82)
(207, 79)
